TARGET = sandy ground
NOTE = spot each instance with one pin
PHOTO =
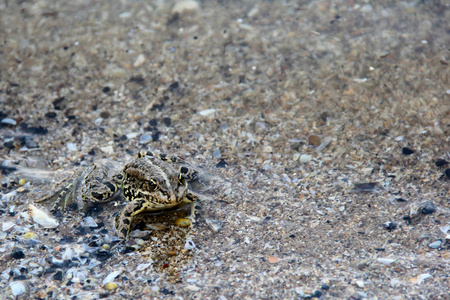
(321, 125)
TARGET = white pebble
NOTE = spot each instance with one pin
(7, 226)
(18, 287)
(385, 261)
(107, 149)
(140, 60)
(88, 222)
(71, 146)
(207, 112)
(42, 218)
(435, 245)
(185, 6)
(68, 254)
(189, 245)
(111, 276)
(142, 267)
(145, 138)
(304, 158)
(9, 121)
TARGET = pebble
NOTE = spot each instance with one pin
(326, 141)
(88, 222)
(110, 286)
(268, 149)
(207, 112)
(215, 225)
(29, 235)
(18, 287)
(296, 156)
(217, 154)
(389, 225)
(304, 158)
(42, 218)
(385, 261)
(435, 245)
(360, 283)
(314, 140)
(7, 226)
(107, 149)
(111, 276)
(71, 146)
(142, 267)
(419, 278)
(145, 138)
(428, 208)
(183, 222)
(185, 6)
(140, 60)
(407, 151)
(189, 245)
(9, 121)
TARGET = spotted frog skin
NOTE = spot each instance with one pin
(151, 182)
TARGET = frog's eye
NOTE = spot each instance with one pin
(183, 174)
(153, 184)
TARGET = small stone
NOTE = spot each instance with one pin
(88, 222)
(142, 267)
(419, 278)
(18, 288)
(314, 140)
(8, 121)
(110, 286)
(389, 225)
(6, 226)
(140, 60)
(447, 172)
(145, 138)
(435, 245)
(385, 261)
(296, 156)
(407, 151)
(107, 149)
(441, 162)
(273, 259)
(268, 149)
(29, 235)
(215, 225)
(316, 294)
(365, 187)
(185, 6)
(71, 146)
(325, 287)
(428, 208)
(183, 222)
(207, 112)
(217, 154)
(360, 283)
(22, 182)
(111, 276)
(189, 245)
(42, 218)
(304, 158)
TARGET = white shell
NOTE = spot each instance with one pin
(42, 218)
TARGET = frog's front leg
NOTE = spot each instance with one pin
(125, 217)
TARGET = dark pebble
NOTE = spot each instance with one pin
(428, 208)
(106, 89)
(153, 122)
(447, 172)
(400, 199)
(173, 86)
(101, 254)
(365, 187)
(325, 287)
(59, 104)
(441, 162)
(33, 130)
(155, 136)
(167, 121)
(167, 292)
(222, 164)
(92, 152)
(105, 114)
(58, 275)
(50, 115)
(407, 151)
(380, 249)
(17, 254)
(390, 225)
(317, 294)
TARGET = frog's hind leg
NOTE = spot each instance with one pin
(66, 193)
